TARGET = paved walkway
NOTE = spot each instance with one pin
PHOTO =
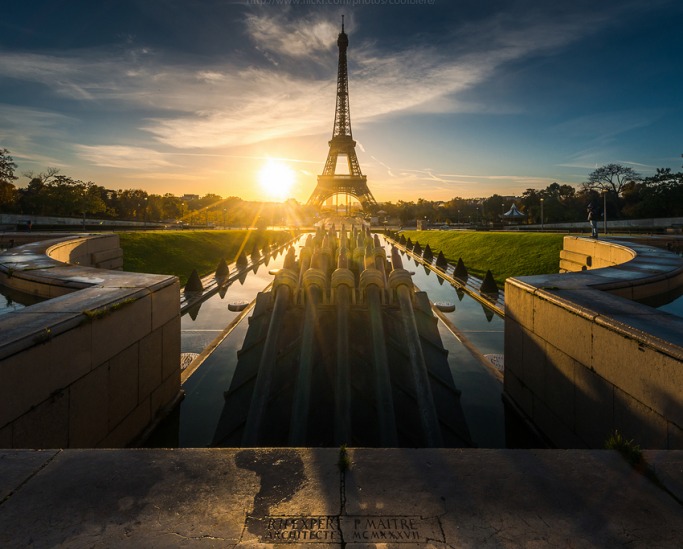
(387, 498)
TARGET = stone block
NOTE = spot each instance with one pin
(45, 426)
(130, 428)
(638, 422)
(519, 393)
(120, 328)
(123, 385)
(519, 305)
(674, 436)
(568, 266)
(171, 349)
(579, 245)
(616, 254)
(649, 376)
(554, 427)
(31, 376)
(112, 264)
(6, 436)
(165, 304)
(165, 394)
(559, 390)
(150, 356)
(594, 399)
(514, 350)
(563, 329)
(650, 289)
(106, 255)
(534, 363)
(88, 410)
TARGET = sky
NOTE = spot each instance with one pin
(448, 99)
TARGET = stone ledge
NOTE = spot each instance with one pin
(59, 346)
(635, 350)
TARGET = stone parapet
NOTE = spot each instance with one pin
(97, 363)
(581, 361)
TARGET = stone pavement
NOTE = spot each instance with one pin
(401, 498)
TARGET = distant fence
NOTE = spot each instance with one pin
(13, 222)
(655, 224)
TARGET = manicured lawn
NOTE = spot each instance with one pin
(178, 252)
(506, 254)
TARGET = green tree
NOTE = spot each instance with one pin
(8, 191)
(611, 178)
(7, 167)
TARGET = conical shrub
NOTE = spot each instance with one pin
(489, 286)
(222, 271)
(441, 262)
(242, 261)
(460, 271)
(194, 283)
(427, 254)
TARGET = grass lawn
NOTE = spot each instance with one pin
(178, 252)
(506, 254)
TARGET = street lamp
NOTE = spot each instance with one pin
(224, 218)
(542, 224)
(604, 210)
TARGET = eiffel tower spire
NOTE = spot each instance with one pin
(353, 183)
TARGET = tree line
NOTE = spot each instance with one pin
(624, 191)
(53, 194)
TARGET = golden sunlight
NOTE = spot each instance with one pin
(276, 179)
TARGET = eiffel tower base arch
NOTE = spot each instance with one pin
(331, 185)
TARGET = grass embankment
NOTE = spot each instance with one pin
(506, 254)
(178, 252)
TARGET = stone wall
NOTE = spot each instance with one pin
(94, 366)
(581, 361)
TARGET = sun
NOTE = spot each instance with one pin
(276, 179)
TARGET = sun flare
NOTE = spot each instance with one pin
(276, 179)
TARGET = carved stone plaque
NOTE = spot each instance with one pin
(348, 528)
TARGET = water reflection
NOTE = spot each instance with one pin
(481, 390)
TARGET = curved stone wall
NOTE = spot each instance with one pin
(97, 363)
(582, 359)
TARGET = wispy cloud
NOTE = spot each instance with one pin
(123, 157)
(302, 37)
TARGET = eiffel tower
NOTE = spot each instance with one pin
(353, 183)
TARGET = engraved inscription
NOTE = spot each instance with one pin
(349, 529)
(394, 529)
(289, 529)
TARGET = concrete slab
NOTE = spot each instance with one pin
(17, 467)
(402, 498)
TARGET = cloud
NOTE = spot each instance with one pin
(123, 157)
(305, 37)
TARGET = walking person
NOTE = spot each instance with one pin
(593, 220)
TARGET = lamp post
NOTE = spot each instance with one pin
(604, 210)
(144, 219)
(223, 218)
(542, 223)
